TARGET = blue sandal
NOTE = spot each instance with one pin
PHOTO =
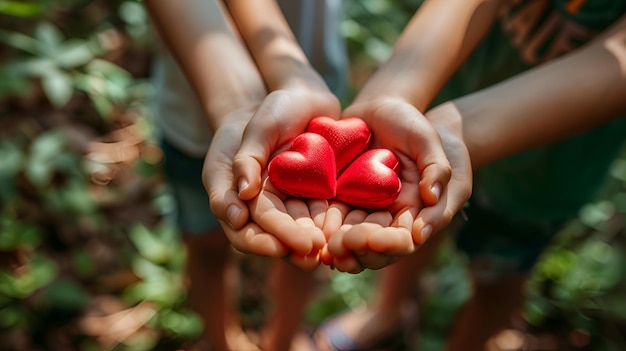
(332, 335)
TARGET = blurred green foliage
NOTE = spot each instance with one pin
(77, 69)
(72, 73)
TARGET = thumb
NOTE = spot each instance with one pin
(222, 191)
(252, 158)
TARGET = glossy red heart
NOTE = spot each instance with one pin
(371, 181)
(307, 169)
(348, 137)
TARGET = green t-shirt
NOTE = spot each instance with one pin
(554, 181)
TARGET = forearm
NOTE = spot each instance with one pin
(434, 44)
(274, 47)
(570, 95)
(210, 52)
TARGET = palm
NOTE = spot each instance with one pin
(374, 240)
(276, 229)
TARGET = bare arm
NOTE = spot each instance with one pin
(274, 47)
(209, 50)
(430, 49)
(569, 95)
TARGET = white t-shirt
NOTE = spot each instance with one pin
(178, 115)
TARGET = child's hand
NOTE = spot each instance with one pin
(361, 240)
(283, 115)
(425, 172)
(358, 239)
(221, 188)
(219, 182)
(281, 228)
(294, 222)
(448, 122)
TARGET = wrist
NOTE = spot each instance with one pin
(221, 109)
(401, 78)
(295, 75)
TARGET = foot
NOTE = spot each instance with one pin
(360, 330)
(238, 340)
(303, 342)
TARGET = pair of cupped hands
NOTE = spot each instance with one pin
(435, 172)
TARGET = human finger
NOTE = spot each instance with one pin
(283, 115)
(432, 219)
(218, 180)
(317, 210)
(347, 264)
(334, 217)
(270, 213)
(335, 244)
(306, 263)
(252, 239)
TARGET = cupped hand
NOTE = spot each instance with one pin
(269, 224)
(297, 223)
(282, 116)
(399, 126)
(359, 240)
(221, 188)
(448, 122)
(375, 239)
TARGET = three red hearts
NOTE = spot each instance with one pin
(330, 160)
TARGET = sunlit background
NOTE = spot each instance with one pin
(90, 261)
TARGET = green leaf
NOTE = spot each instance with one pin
(149, 245)
(619, 200)
(556, 263)
(33, 67)
(102, 105)
(13, 82)
(188, 325)
(44, 150)
(58, 86)
(74, 53)
(618, 169)
(64, 294)
(595, 214)
(536, 310)
(50, 38)
(158, 284)
(20, 8)
(377, 49)
(39, 272)
(12, 316)
(84, 264)
(72, 198)
(105, 68)
(20, 41)
(133, 13)
(11, 161)
(15, 234)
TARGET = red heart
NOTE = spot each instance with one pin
(307, 169)
(348, 137)
(371, 181)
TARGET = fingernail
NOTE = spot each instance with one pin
(436, 189)
(426, 232)
(242, 184)
(232, 214)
